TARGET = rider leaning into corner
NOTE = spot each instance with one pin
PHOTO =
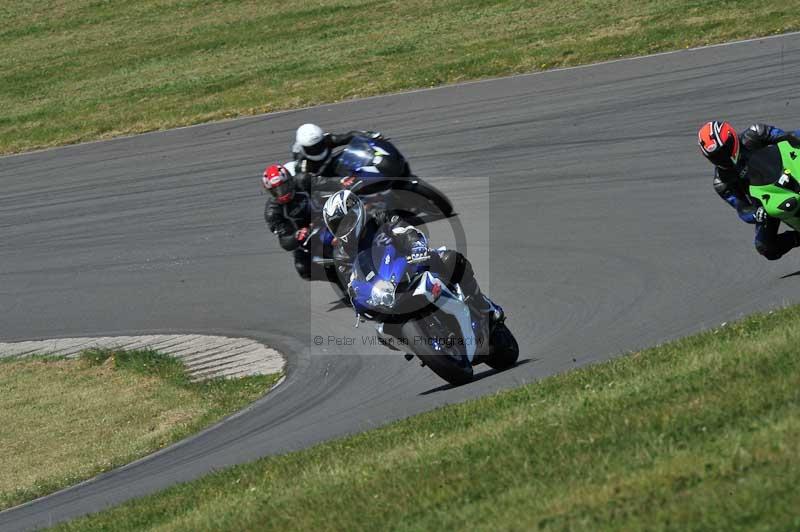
(356, 230)
(313, 148)
(291, 207)
(290, 210)
(729, 153)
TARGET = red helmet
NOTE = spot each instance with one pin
(719, 143)
(279, 182)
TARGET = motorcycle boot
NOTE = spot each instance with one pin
(480, 302)
(484, 306)
(457, 268)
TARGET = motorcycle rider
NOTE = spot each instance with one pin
(355, 230)
(289, 213)
(729, 152)
(313, 148)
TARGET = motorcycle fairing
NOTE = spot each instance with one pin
(774, 182)
(451, 304)
(370, 158)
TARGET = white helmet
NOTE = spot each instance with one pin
(311, 143)
(345, 216)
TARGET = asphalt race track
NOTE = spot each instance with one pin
(604, 232)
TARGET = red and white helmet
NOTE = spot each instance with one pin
(279, 182)
(719, 143)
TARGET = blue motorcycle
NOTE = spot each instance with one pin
(419, 314)
(380, 175)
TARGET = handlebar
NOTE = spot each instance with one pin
(312, 231)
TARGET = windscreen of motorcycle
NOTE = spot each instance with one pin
(764, 167)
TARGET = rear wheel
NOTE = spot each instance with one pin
(504, 348)
(434, 203)
(435, 196)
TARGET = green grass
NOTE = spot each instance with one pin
(699, 434)
(78, 70)
(64, 421)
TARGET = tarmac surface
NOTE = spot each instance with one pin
(588, 210)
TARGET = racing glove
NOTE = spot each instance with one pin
(301, 234)
(760, 215)
(791, 138)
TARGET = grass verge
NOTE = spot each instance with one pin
(78, 70)
(63, 421)
(698, 434)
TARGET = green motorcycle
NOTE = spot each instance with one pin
(773, 173)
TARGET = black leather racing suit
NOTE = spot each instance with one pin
(284, 220)
(732, 186)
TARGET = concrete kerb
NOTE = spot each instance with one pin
(205, 356)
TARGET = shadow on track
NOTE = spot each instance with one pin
(477, 377)
(795, 274)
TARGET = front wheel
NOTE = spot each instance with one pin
(504, 348)
(454, 371)
(448, 361)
